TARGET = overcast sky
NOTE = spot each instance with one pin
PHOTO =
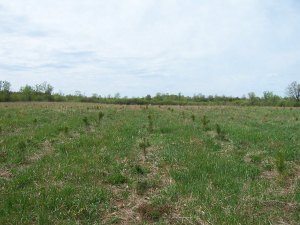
(140, 47)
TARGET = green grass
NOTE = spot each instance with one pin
(68, 163)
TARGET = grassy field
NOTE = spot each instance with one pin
(75, 163)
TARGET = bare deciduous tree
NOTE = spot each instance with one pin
(293, 91)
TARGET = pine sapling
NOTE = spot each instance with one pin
(182, 114)
(86, 122)
(144, 144)
(100, 116)
(204, 123)
(280, 162)
(150, 123)
(193, 117)
(221, 134)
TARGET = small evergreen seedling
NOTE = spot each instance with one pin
(280, 162)
(35, 121)
(85, 120)
(66, 130)
(193, 117)
(144, 144)
(100, 116)
(182, 114)
(204, 123)
(220, 133)
(150, 122)
(139, 169)
(22, 146)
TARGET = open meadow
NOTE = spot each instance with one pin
(86, 163)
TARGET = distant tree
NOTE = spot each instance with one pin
(49, 89)
(252, 97)
(293, 91)
(78, 93)
(268, 95)
(27, 92)
(210, 98)
(158, 96)
(117, 95)
(179, 96)
(148, 97)
(94, 95)
(6, 86)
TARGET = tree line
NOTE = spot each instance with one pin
(44, 92)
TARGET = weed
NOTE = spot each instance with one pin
(165, 130)
(268, 167)
(153, 212)
(114, 220)
(182, 115)
(280, 162)
(204, 123)
(117, 178)
(125, 194)
(256, 158)
(139, 169)
(141, 187)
